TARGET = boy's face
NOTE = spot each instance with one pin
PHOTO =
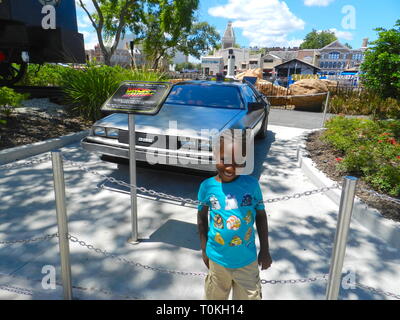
(226, 165)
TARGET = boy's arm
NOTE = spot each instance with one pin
(264, 257)
(202, 224)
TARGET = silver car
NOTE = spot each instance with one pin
(181, 134)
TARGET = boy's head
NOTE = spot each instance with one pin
(228, 152)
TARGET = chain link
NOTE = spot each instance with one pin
(130, 262)
(379, 195)
(294, 281)
(107, 254)
(28, 163)
(302, 194)
(25, 241)
(378, 291)
(187, 200)
(17, 290)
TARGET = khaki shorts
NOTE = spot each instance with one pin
(245, 282)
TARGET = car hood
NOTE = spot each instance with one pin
(175, 119)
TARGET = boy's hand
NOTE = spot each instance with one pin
(264, 260)
(206, 259)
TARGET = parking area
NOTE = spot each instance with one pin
(167, 263)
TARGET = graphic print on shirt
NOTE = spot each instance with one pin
(248, 234)
(230, 202)
(214, 203)
(219, 239)
(248, 217)
(233, 223)
(218, 222)
(236, 241)
(246, 201)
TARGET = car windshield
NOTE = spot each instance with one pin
(205, 95)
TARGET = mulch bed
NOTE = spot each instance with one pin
(324, 156)
(26, 128)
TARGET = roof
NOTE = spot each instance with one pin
(335, 45)
(300, 61)
(285, 55)
(217, 83)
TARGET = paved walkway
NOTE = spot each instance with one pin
(301, 232)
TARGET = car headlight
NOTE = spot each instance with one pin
(112, 133)
(99, 131)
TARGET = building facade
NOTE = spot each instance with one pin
(332, 59)
(295, 66)
(212, 65)
(336, 58)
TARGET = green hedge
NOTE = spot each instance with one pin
(371, 150)
(364, 103)
(87, 89)
(43, 76)
(9, 100)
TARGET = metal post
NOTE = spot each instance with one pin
(62, 222)
(325, 109)
(132, 177)
(339, 248)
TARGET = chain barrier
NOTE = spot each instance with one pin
(323, 277)
(378, 291)
(174, 198)
(25, 241)
(378, 195)
(303, 194)
(28, 163)
(151, 192)
(26, 291)
(187, 200)
(130, 262)
(17, 290)
(107, 254)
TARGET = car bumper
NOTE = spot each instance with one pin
(171, 158)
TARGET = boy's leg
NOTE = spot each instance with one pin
(218, 282)
(247, 283)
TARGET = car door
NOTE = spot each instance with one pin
(253, 118)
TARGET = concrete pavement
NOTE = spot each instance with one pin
(301, 232)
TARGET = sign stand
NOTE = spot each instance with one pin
(132, 178)
(136, 97)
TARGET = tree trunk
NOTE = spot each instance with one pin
(107, 57)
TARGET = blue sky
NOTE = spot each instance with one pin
(285, 23)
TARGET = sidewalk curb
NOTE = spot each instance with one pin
(369, 218)
(29, 150)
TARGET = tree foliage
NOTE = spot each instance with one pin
(318, 39)
(111, 19)
(381, 66)
(160, 26)
(170, 26)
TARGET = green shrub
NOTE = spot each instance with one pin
(45, 75)
(371, 149)
(364, 103)
(9, 100)
(86, 90)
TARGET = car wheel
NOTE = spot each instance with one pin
(262, 134)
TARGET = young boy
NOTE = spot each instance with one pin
(227, 237)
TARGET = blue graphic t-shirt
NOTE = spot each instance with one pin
(233, 205)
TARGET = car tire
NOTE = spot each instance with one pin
(262, 134)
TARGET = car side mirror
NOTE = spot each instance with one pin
(253, 106)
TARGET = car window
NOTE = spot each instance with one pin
(249, 94)
(205, 95)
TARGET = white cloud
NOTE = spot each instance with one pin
(346, 35)
(264, 23)
(318, 3)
